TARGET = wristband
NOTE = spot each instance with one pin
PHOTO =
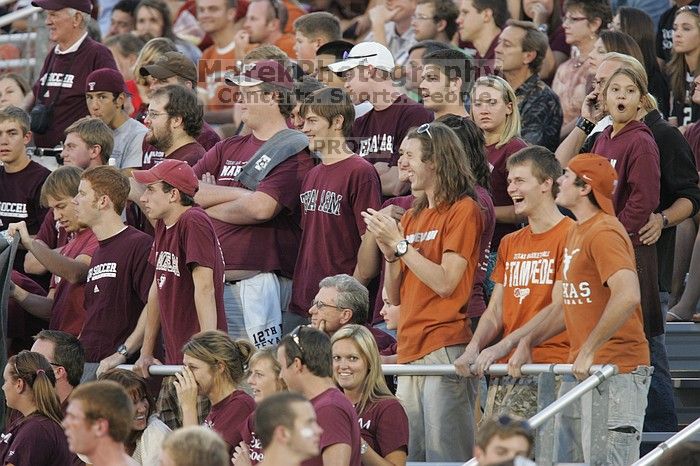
(585, 125)
(665, 219)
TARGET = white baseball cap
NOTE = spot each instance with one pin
(365, 53)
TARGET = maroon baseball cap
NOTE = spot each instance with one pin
(265, 71)
(598, 172)
(176, 173)
(106, 80)
(54, 5)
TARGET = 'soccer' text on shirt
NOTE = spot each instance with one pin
(106, 270)
(13, 209)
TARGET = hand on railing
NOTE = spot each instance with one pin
(522, 355)
(466, 360)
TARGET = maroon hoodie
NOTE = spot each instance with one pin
(635, 156)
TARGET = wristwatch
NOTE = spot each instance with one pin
(544, 28)
(665, 219)
(585, 125)
(364, 446)
(401, 248)
(123, 351)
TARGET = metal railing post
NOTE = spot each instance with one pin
(598, 442)
(546, 395)
(653, 456)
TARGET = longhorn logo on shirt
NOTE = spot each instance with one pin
(521, 293)
(91, 86)
(567, 260)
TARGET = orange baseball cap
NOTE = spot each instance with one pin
(598, 172)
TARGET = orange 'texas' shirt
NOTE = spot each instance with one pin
(428, 322)
(213, 65)
(594, 251)
(527, 266)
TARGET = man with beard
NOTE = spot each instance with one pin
(174, 120)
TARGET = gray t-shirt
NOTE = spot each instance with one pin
(128, 139)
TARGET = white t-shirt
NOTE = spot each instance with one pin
(128, 139)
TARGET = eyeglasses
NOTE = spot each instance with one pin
(422, 18)
(295, 338)
(153, 114)
(424, 128)
(347, 56)
(320, 305)
(688, 9)
(506, 421)
(573, 19)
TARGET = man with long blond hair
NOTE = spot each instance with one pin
(431, 259)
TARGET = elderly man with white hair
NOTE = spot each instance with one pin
(59, 93)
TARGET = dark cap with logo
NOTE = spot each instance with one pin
(54, 5)
(106, 80)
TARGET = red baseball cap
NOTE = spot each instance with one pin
(598, 172)
(54, 5)
(176, 173)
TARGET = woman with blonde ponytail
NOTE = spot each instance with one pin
(37, 437)
(214, 367)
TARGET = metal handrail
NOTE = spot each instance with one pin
(600, 375)
(10, 18)
(651, 457)
(418, 369)
(17, 37)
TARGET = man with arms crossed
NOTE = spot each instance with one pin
(601, 313)
(518, 296)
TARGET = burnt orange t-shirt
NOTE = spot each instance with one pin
(527, 267)
(213, 65)
(594, 251)
(428, 322)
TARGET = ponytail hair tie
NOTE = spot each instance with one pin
(40, 371)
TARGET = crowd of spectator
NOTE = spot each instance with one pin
(280, 197)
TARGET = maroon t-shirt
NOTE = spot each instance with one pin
(383, 339)
(380, 133)
(635, 156)
(692, 134)
(190, 153)
(481, 65)
(405, 203)
(338, 419)
(228, 416)
(51, 233)
(251, 439)
(20, 194)
(116, 292)
(68, 72)
(332, 198)
(68, 310)
(176, 251)
(497, 157)
(270, 246)
(477, 302)
(384, 426)
(34, 440)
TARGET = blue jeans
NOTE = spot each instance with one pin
(661, 410)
